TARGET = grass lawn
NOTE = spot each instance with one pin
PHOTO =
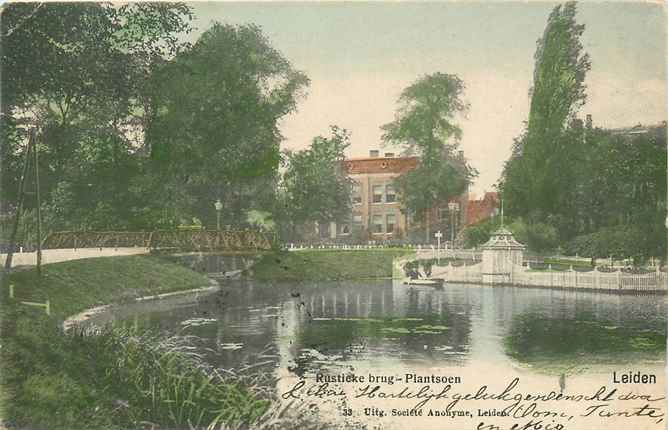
(566, 262)
(74, 286)
(114, 380)
(326, 265)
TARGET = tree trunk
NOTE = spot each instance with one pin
(19, 205)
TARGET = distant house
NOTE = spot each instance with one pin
(480, 210)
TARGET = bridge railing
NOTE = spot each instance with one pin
(210, 239)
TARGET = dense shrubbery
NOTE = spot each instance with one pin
(603, 192)
(115, 379)
(112, 380)
(538, 237)
(619, 242)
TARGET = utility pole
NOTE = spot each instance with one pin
(39, 210)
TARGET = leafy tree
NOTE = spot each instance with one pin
(213, 131)
(316, 187)
(425, 125)
(538, 237)
(78, 71)
(542, 158)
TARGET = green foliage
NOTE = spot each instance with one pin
(578, 179)
(84, 84)
(261, 220)
(618, 242)
(531, 184)
(213, 131)
(538, 237)
(116, 378)
(425, 125)
(425, 120)
(136, 129)
(477, 234)
(93, 281)
(558, 82)
(433, 181)
(326, 265)
(315, 185)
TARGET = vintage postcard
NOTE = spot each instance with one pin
(333, 215)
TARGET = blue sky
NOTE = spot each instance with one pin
(360, 55)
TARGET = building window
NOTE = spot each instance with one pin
(377, 223)
(357, 219)
(344, 229)
(323, 230)
(443, 214)
(377, 194)
(390, 195)
(357, 193)
(390, 221)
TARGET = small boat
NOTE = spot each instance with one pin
(433, 282)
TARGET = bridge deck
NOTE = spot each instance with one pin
(58, 255)
(191, 240)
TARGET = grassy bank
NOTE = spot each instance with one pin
(73, 286)
(117, 379)
(326, 265)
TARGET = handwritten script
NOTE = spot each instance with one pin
(483, 407)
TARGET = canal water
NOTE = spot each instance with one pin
(549, 339)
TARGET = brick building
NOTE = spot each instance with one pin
(376, 211)
(482, 209)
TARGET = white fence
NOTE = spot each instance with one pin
(422, 252)
(330, 246)
(617, 281)
(457, 254)
(465, 273)
(593, 280)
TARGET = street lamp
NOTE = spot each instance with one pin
(219, 207)
(453, 208)
(438, 237)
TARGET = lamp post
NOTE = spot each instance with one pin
(219, 207)
(453, 208)
(438, 237)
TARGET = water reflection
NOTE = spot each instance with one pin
(331, 324)
(485, 335)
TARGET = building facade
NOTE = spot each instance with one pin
(481, 209)
(377, 214)
(375, 207)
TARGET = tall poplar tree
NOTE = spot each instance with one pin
(542, 157)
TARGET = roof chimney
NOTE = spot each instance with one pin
(374, 153)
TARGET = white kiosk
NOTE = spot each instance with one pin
(501, 256)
